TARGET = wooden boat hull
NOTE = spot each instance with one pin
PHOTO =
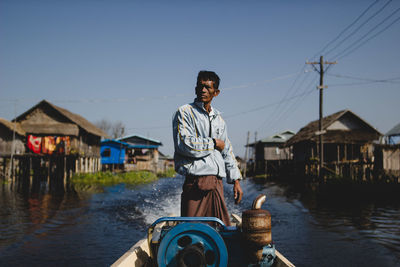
(138, 255)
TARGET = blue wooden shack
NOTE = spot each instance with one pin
(113, 151)
(145, 155)
(132, 152)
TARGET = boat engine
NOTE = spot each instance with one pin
(206, 241)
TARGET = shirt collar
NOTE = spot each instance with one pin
(214, 112)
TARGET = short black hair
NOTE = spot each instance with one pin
(205, 75)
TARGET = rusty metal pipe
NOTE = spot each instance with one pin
(257, 203)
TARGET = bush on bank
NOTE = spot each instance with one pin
(170, 172)
(109, 178)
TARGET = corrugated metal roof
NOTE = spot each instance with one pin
(277, 138)
(394, 131)
(127, 145)
(141, 137)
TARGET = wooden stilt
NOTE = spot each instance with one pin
(48, 171)
(64, 158)
(4, 167)
(30, 174)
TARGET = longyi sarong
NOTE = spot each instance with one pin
(203, 196)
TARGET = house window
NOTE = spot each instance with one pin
(106, 152)
(277, 150)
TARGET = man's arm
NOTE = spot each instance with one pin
(233, 174)
(231, 166)
(186, 139)
(237, 191)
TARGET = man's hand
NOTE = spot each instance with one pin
(219, 144)
(237, 192)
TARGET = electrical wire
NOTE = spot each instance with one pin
(366, 34)
(142, 99)
(281, 114)
(366, 41)
(291, 109)
(390, 80)
(269, 105)
(359, 27)
(286, 96)
(261, 82)
(343, 31)
(271, 120)
(350, 84)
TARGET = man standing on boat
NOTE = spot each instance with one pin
(203, 153)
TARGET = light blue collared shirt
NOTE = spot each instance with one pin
(193, 132)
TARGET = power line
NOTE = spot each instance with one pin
(273, 118)
(285, 97)
(333, 41)
(365, 35)
(263, 106)
(294, 105)
(284, 116)
(141, 99)
(234, 114)
(383, 30)
(343, 31)
(359, 27)
(350, 84)
(390, 80)
(265, 81)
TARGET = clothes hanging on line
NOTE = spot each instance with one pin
(34, 143)
(49, 145)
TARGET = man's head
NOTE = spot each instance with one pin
(205, 75)
(207, 86)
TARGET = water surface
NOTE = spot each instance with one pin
(94, 227)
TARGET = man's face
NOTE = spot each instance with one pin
(205, 91)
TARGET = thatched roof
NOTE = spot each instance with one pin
(361, 131)
(11, 126)
(66, 124)
(51, 128)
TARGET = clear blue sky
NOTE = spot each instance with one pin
(137, 61)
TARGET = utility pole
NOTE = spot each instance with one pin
(245, 154)
(321, 87)
(255, 151)
(11, 170)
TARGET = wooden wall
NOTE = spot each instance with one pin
(387, 158)
(6, 142)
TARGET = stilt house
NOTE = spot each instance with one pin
(270, 152)
(114, 154)
(52, 130)
(347, 139)
(143, 154)
(387, 156)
